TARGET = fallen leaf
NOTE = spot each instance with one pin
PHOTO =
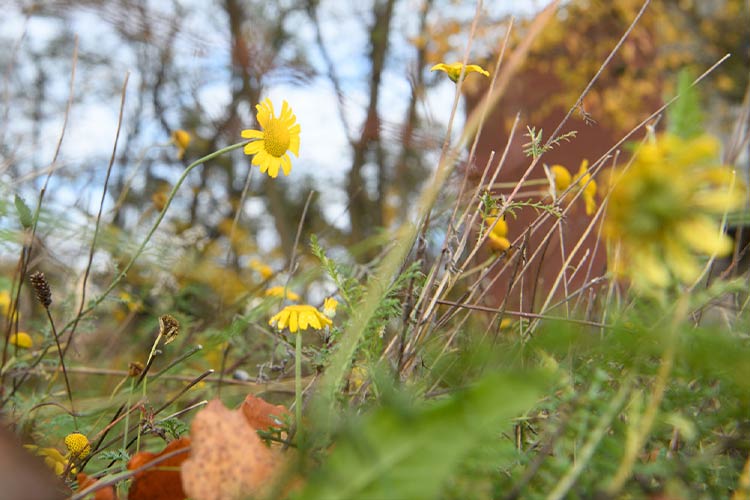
(159, 483)
(263, 415)
(228, 460)
(106, 493)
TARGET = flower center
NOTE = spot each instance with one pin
(276, 137)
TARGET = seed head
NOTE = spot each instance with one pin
(41, 287)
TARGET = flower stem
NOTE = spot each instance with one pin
(298, 388)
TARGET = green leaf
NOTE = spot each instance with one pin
(409, 453)
(684, 117)
(24, 213)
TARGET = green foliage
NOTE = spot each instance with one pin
(685, 116)
(536, 146)
(174, 427)
(25, 216)
(117, 456)
(348, 287)
(408, 451)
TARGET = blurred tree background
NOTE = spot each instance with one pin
(362, 67)
(203, 66)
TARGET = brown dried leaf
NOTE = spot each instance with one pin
(228, 460)
(106, 493)
(262, 415)
(158, 483)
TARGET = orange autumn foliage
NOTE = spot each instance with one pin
(262, 415)
(228, 460)
(106, 493)
(162, 482)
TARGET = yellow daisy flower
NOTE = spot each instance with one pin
(454, 69)
(498, 236)
(272, 145)
(22, 340)
(278, 291)
(664, 210)
(299, 317)
(181, 139)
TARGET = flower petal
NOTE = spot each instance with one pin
(252, 134)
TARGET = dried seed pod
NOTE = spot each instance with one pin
(169, 327)
(41, 287)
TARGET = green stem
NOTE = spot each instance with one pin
(298, 388)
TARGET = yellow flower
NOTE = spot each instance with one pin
(78, 445)
(181, 139)
(299, 317)
(53, 458)
(264, 270)
(587, 185)
(5, 301)
(563, 179)
(278, 291)
(498, 236)
(329, 307)
(664, 211)
(21, 339)
(280, 136)
(454, 70)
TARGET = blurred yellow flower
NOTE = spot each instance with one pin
(587, 185)
(181, 139)
(78, 445)
(454, 69)
(264, 270)
(159, 200)
(563, 179)
(299, 317)
(22, 340)
(498, 235)
(272, 145)
(329, 307)
(663, 211)
(53, 458)
(278, 291)
(5, 301)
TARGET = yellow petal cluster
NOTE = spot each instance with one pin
(664, 210)
(181, 139)
(22, 340)
(583, 181)
(264, 270)
(299, 317)
(329, 307)
(498, 234)
(278, 291)
(78, 445)
(454, 69)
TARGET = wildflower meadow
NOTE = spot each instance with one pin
(413, 249)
